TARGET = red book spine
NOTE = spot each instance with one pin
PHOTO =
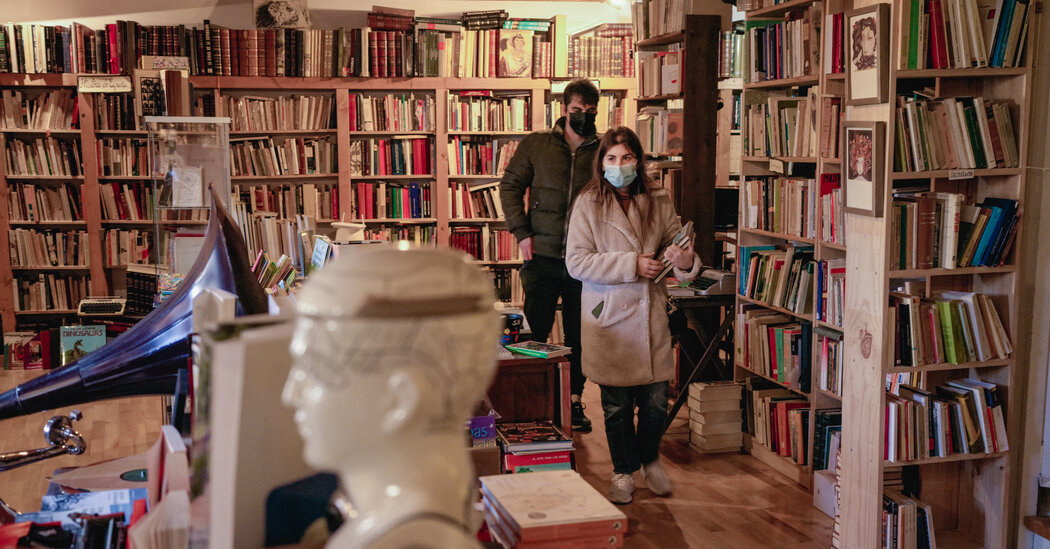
(381, 168)
(938, 43)
(334, 195)
(353, 112)
(370, 199)
(269, 52)
(111, 37)
(493, 55)
(373, 53)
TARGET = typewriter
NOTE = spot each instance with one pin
(714, 282)
(101, 306)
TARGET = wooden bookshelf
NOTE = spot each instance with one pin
(777, 10)
(782, 83)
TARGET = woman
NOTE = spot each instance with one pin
(619, 223)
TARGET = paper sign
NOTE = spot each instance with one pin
(186, 187)
(104, 84)
(776, 165)
(960, 174)
(166, 62)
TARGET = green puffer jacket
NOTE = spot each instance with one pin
(544, 162)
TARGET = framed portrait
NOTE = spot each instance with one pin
(863, 166)
(281, 14)
(867, 55)
(515, 53)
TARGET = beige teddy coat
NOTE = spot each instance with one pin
(624, 336)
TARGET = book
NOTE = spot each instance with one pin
(77, 341)
(15, 349)
(538, 349)
(682, 238)
(531, 436)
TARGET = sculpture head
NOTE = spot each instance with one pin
(391, 345)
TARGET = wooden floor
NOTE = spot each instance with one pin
(112, 429)
(727, 501)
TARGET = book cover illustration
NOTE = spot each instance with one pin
(14, 344)
(539, 349)
(77, 341)
(529, 432)
(515, 53)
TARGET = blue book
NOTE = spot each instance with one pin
(1002, 228)
(986, 235)
(1002, 31)
(745, 264)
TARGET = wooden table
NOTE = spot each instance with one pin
(533, 389)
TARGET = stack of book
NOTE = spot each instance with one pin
(780, 205)
(778, 347)
(392, 113)
(953, 133)
(782, 49)
(785, 126)
(781, 278)
(952, 327)
(778, 419)
(715, 418)
(907, 523)
(550, 509)
(533, 446)
(937, 230)
(942, 34)
(488, 111)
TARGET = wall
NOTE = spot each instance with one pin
(325, 14)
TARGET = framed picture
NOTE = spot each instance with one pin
(281, 14)
(863, 166)
(867, 55)
(515, 53)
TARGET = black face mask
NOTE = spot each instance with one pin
(582, 123)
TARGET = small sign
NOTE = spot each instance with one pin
(166, 62)
(960, 174)
(776, 165)
(104, 84)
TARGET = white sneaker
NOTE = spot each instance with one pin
(622, 489)
(656, 479)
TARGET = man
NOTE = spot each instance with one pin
(551, 167)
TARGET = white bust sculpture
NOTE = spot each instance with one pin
(393, 347)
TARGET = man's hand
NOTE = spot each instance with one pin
(526, 248)
(648, 267)
(680, 256)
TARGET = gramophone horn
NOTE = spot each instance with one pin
(145, 360)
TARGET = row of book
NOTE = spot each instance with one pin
(599, 56)
(128, 247)
(953, 34)
(951, 327)
(832, 211)
(122, 156)
(479, 155)
(831, 352)
(487, 111)
(778, 347)
(778, 419)
(293, 112)
(32, 248)
(392, 112)
(468, 201)
(396, 155)
(660, 129)
(116, 111)
(937, 230)
(660, 72)
(485, 243)
(392, 200)
(730, 54)
(715, 418)
(953, 133)
(418, 235)
(658, 17)
(508, 285)
(781, 278)
(609, 112)
(31, 203)
(780, 205)
(266, 156)
(265, 232)
(834, 57)
(52, 110)
(963, 416)
(907, 522)
(831, 291)
(127, 201)
(52, 348)
(319, 202)
(273, 274)
(827, 438)
(784, 49)
(786, 126)
(47, 156)
(49, 292)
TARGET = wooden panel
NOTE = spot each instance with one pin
(700, 119)
(342, 125)
(439, 189)
(89, 194)
(7, 299)
(526, 390)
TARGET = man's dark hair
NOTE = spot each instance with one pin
(584, 89)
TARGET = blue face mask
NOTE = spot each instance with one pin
(620, 176)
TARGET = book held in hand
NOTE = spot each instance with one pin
(682, 239)
(538, 349)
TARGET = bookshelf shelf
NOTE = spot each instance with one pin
(1038, 525)
(124, 178)
(945, 174)
(836, 76)
(377, 177)
(385, 132)
(745, 299)
(828, 394)
(60, 268)
(150, 222)
(823, 324)
(832, 245)
(39, 131)
(70, 223)
(474, 176)
(976, 72)
(663, 97)
(997, 363)
(786, 466)
(470, 220)
(778, 9)
(921, 273)
(781, 236)
(773, 380)
(500, 263)
(121, 133)
(661, 40)
(506, 133)
(783, 83)
(16, 177)
(264, 178)
(946, 459)
(401, 220)
(47, 313)
(795, 159)
(836, 161)
(261, 133)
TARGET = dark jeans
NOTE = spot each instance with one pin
(629, 448)
(544, 279)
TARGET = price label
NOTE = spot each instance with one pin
(104, 84)
(776, 165)
(960, 174)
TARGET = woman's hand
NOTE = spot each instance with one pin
(648, 267)
(681, 256)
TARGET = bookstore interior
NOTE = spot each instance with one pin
(308, 273)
